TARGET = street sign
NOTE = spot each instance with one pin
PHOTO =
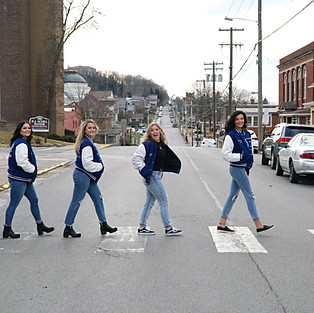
(39, 124)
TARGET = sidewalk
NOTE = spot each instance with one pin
(44, 165)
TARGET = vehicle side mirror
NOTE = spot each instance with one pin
(266, 133)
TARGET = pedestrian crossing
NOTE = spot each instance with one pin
(241, 241)
(125, 239)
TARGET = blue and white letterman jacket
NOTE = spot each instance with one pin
(22, 162)
(237, 149)
(88, 160)
(144, 158)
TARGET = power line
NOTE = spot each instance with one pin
(230, 81)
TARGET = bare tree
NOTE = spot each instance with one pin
(74, 16)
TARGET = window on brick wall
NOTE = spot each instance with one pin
(304, 82)
(294, 120)
(293, 86)
(299, 84)
(284, 87)
(289, 86)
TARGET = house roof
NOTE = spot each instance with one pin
(288, 106)
(102, 94)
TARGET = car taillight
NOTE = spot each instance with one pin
(214, 143)
(307, 155)
(283, 140)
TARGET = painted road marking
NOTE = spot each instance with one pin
(125, 239)
(242, 241)
(17, 245)
(311, 231)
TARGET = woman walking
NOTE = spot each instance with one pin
(152, 158)
(237, 150)
(22, 173)
(89, 168)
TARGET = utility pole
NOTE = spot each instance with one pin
(231, 30)
(260, 85)
(203, 102)
(214, 92)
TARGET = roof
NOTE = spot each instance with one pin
(71, 76)
(102, 94)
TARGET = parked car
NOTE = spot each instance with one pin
(297, 158)
(254, 141)
(208, 142)
(278, 138)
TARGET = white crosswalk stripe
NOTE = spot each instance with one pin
(311, 231)
(125, 239)
(242, 241)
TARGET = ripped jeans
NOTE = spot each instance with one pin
(240, 180)
(155, 190)
(83, 184)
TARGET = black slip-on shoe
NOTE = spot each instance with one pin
(225, 229)
(265, 227)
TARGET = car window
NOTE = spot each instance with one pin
(274, 131)
(307, 141)
(291, 131)
(293, 141)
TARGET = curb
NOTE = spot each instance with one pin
(41, 172)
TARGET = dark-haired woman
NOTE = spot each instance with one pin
(89, 168)
(237, 150)
(22, 173)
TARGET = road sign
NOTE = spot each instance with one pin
(39, 124)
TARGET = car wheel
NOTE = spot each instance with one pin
(264, 159)
(273, 161)
(293, 176)
(279, 170)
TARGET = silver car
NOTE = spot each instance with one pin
(297, 157)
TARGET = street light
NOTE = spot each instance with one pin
(259, 70)
(238, 18)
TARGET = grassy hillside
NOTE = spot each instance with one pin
(5, 137)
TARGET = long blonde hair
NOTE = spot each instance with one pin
(81, 133)
(147, 135)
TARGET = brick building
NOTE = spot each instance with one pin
(296, 82)
(27, 32)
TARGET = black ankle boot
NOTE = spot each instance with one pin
(69, 231)
(9, 233)
(41, 228)
(104, 228)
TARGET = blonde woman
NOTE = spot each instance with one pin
(89, 168)
(152, 158)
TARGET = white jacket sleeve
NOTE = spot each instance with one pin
(138, 159)
(21, 156)
(227, 151)
(87, 161)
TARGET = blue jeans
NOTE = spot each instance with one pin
(83, 184)
(18, 189)
(240, 180)
(155, 190)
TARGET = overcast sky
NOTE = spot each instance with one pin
(168, 41)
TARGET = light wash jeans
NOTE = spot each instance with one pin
(18, 189)
(83, 184)
(155, 190)
(240, 180)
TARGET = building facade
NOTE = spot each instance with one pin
(28, 29)
(296, 82)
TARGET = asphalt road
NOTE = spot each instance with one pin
(123, 272)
